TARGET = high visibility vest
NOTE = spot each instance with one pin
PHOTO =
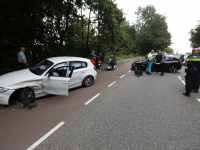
(150, 56)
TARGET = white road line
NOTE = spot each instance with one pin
(92, 99)
(198, 99)
(111, 84)
(122, 76)
(129, 71)
(45, 136)
(181, 80)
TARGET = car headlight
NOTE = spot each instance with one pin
(3, 89)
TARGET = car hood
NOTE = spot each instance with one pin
(12, 79)
(140, 61)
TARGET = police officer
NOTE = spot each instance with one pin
(192, 71)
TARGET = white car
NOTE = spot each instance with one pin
(51, 76)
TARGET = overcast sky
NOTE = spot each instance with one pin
(182, 16)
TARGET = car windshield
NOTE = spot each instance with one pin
(41, 67)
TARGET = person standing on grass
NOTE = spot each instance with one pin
(102, 56)
(149, 62)
(22, 58)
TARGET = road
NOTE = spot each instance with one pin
(20, 128)
(148, 112)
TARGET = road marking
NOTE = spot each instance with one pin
(45, 136)
(181, 80)
(129, 71)
(112, 84)
(198, 99)
(92, 99)
(122, 76)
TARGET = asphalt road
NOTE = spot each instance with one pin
(142, 113)
(20, 128)
(148, 112)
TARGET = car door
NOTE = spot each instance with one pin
(56, 81)
(79, 73)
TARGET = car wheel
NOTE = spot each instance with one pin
(172, 69)
(27, 95)
(88, 81)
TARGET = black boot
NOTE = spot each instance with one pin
(186, 94)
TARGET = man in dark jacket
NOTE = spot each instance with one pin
(158, 59)
(164, 59)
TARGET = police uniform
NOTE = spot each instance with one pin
(192, 71)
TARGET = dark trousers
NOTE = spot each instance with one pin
(162, 67)
(112, 64)
(22, 66)
(192, 81)
(102, 59)
(157, 67)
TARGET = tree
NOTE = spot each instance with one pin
(169, 50)
(195, 36)
(152, 30)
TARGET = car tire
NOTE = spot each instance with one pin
(27, 95)
(172, 69)
(87, 81)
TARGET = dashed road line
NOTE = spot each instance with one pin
(45, 136)
(198, 99)
(122, 76)
(129, 71)
(92, 99)
(111, 84)
(181, 80)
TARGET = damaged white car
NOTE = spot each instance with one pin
(51, 76)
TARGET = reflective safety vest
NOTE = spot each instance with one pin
(193, 60)
(150, 56)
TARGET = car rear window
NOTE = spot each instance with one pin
(78, 64)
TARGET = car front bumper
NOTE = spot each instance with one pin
(4, 97)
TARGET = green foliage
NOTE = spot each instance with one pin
(151, 30)
(49, 28)
(169, 50)
(195, 36)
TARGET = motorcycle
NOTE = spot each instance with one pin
(98, 62)
(110, 66)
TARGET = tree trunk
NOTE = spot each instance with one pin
(88, 32)
(82, 29)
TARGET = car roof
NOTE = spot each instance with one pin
(66, 58)
(170, 55)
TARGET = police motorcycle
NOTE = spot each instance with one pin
(110, 66)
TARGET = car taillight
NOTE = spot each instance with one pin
(179, 62)
(94, 68)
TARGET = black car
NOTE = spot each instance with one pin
(171, 65)
(183, 58)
